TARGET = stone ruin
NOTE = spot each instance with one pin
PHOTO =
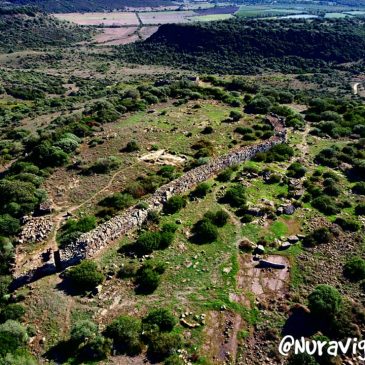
(90, 243)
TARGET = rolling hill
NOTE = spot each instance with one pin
(87, 5)
(239, 46)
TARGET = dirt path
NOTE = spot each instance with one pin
(303, 146)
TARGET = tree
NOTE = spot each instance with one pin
(12, 336)
(325, 301)
(125, 331)
(162, 318)
(174, 204)
(354, 269)
(85, 276)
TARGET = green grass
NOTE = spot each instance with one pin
(212, 17)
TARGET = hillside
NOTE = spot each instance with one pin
(239, 46)
(87, 5)
(23, 28)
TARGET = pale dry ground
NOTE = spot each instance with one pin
(115, 18)
(117, 36)
(166, 17)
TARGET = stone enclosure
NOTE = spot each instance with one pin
(89, 244)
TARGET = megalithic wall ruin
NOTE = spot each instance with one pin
(89, 244)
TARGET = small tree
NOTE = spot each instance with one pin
(325, 301)
(85, 276)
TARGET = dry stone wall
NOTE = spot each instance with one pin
(89, 244)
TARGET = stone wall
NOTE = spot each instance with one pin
(89, 244)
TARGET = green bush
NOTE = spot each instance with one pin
(354, 269)
(325, 205)
(348, 224)
(169, 227)
(318, 236)
(148, 278)
(225, 175)
(83, 330)
(174, 204)
(12, 311)
(296, 170)
(174, 360)
(360, 209)
(9, 226)
(162, 318)
(359, 188)
(12, 336)
(236, 196)
(125, 331)
(132, 146)
(85, 276)
(218, 218)
(201, 190)
(259, 105)
(205, 231)
(325, 301)
(117, 201)
(147, 242)
(164, 344)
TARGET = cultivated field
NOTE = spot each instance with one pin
(166, 17)
(108, 19)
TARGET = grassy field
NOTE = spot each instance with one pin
(213, 17)
(258, 11)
